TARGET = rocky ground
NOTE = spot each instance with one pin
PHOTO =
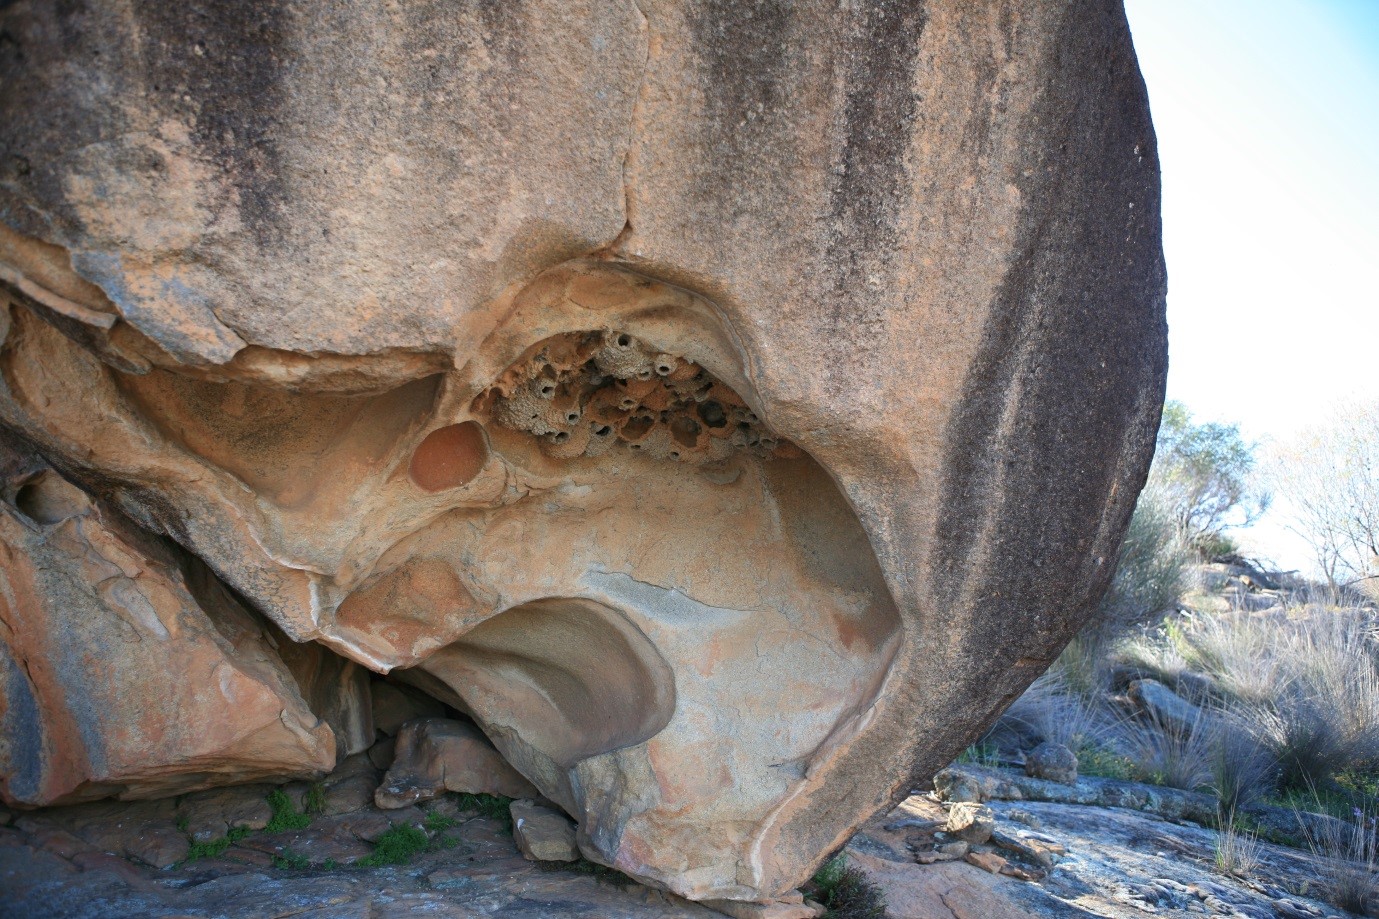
(1077, 860)
(456, 856)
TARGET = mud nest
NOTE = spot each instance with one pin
(584, 393)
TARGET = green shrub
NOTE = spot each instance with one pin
(396, 847)
(285, 816)
(215, 847)
(1103, 761)
(846, 893)
(1204, 472)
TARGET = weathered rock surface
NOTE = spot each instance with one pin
(435, 755)
(729, 408)
(121, 673)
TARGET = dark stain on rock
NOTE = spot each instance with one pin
(47, 50)
(223, 64)
(878, 63)
(744, 49)
(876, 59)
(1078, 330)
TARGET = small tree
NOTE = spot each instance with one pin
(1328, 478)
(1200, 485)
(1203, 473)
(1152, 569)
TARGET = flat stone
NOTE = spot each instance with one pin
(368, 826)
(972, 823)
(544, 834)
(55, 840)
(160, 847)
(352, 794)
(987, 861)
(435, 755)
(738, 909)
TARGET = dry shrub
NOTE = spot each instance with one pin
(1305, 681)
(1243, 769)
(1348, 855)
(1237, 850)
(1183, 759)
(1050, 710)
(1153, 569)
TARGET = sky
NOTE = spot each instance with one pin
(1267, 115)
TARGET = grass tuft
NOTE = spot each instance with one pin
(1165, 755)
(846, 893)
(981, 754)
(285, 816)
(315, 801)
(495, 807)
(1348, 852)
(435, 822)
(396, 847)
(291, 861)
(215, 847)
(1238, 851)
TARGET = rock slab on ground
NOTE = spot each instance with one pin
(972, 823)
(1164, 706)
(435, 755)
(544, 834)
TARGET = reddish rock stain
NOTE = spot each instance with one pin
(450, 457)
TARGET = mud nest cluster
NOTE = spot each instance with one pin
(583, 393)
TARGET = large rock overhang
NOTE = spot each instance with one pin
(922, 241)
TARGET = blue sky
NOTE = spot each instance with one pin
(1267, 115)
